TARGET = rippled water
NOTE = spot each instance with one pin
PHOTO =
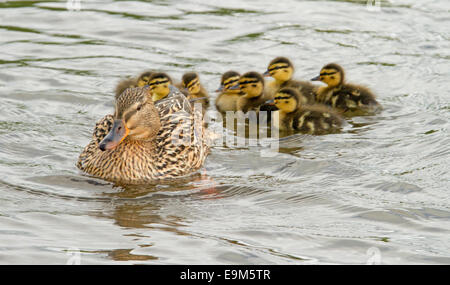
(377, 192)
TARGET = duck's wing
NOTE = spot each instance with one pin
(102, 128)
(181, 140)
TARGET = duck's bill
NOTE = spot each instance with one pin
(117, 134)
(234, 87)
(317, 78)
(271, 102)
(266, 73)
(220, 89)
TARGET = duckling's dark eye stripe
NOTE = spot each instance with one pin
(192, 83)
(278, 67)
(231, 81)
(282, 97)
(329, 73)
(248, 82)
(158, 82)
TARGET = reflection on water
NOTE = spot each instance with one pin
(380, 185)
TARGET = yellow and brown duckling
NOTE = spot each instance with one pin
(191, 83)
(251, 84)
(293, 115)
(144, 141)
(159, 85)
(140, 81)
(341, 95)
(282, 70)
(229, 92)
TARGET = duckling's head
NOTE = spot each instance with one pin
(331, 74)
(280, 68)
(252, 84)
(287, 99)
(143, 79)
(229, 82)
(191, 81)
(159, 85)
(135, 118)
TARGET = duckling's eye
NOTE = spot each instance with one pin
(285, 70)
(332, 77)
(253, 85)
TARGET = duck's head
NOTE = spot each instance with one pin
(143, 79)
(135, 118)
(229, 82)
(251, 84)
(191, 82)
(280, 68)
(159, 84)
(287, 99)
(331, 74)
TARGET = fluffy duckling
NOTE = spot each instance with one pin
(140, 81)
(230, 92)
(191, 82)
(139, 142)
(251, 84)
(281, 70)
(159, 84)
(341, 95)
(294, 115)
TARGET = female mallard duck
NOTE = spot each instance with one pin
(341, 95)
(294, 115)
(196, 93)
(230, 93)
(140, 81)
(251, 84)
(281, 70)
(144, 141)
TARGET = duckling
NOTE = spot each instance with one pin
(230, 93)
(140, 81)
(281, 70)
(341, 95)
(143, 78)
(139, 142)
(124, 84)
(159, 84)
(191, 82)
(294, 115)
(251, 84)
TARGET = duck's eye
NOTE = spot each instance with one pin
(139, 107)
(332, 77)
(253, 85)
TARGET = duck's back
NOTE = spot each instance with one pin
(306, 88)
(351, 97)
(316, 119)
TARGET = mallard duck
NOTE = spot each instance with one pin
(281, 70)
(341, 95)
(191, 83)
(294, 115)
(251, 84)
(140, 81)
(145, 141)
(230, 93)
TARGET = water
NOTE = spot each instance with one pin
(375, 193)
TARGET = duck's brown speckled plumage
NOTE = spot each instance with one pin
(179, 148)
